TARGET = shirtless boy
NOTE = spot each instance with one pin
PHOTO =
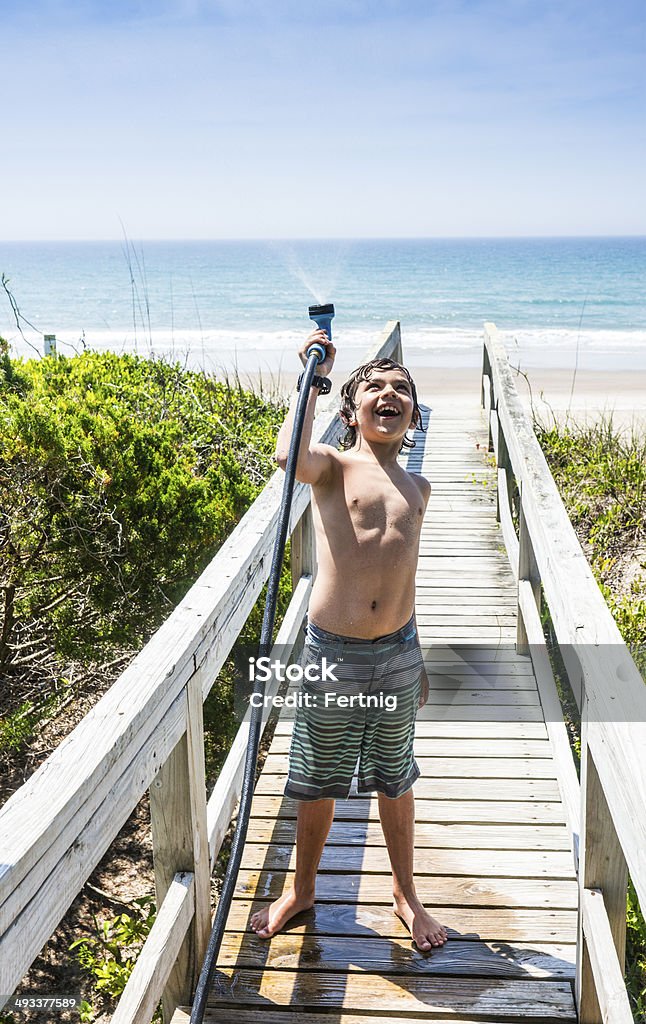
(367, 513)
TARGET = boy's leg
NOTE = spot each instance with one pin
(388, 765)
(398, 823)
(314, 818)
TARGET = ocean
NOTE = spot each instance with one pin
(222, 305)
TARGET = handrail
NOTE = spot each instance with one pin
(256, 719)
(146, 733)
(610, 691)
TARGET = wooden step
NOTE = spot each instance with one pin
(356, 992)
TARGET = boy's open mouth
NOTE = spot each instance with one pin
(387, 411)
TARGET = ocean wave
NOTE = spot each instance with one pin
(244, 347)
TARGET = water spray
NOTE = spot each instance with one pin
(322, 316)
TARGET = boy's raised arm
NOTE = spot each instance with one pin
(315, 461)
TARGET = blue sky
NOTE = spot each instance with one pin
(204, 119)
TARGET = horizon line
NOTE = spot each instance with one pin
(332, 238)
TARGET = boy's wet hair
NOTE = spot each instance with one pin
(349, 390)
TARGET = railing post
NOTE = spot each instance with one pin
(180, 842)
(486, 373)
(487, 395)
(397, 355)
(503, 462)
(601, 866)
(303, 550)
(527, 570)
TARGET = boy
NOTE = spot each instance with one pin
(367, 513)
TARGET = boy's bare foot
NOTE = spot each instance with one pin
(271, 919)
(425, 931)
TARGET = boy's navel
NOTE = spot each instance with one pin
(373, 605)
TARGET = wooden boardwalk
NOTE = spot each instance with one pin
(498, 803)
(492, 848)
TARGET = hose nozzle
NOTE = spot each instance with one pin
(322, 317)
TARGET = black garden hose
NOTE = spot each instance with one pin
(230, 878)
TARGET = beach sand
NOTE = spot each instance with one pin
(595, 394)
(618, 393)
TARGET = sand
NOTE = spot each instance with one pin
(596, 393)
(549, 391)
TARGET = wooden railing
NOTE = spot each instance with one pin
(607, 815)
(146, 733)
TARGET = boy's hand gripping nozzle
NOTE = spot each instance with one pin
(322, 317)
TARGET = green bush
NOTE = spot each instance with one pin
(601, 475)
(119, 479)
(109, 955)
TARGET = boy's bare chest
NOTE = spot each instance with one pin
(392, 508)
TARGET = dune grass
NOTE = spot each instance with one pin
(601, 475)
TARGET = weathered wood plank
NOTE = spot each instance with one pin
(430, 606)
(461, 506)
(475, 562)
(533, 1000)
(504, 679)
(465, 789)
(466, 694)
(433, 834)
(463, 661)
(462, 748)
(490, 730)
(610, 995)
(396, 956)
(303, 549)
(482, 672)
(602, 871)
(180, 843)
(159, 954)
(277, 1016)
(432, 617)
(551, 864)
(468, 534)
(455, 767)
(499, 592)
(474, 534)
(467, 656)
(465, 811)
(502, 924)
(427, 599)
(464, 582)
(433, 890)
(474, 683)
(449, 634)
(506, 523)
(489, 549)
(456, 713)
(477, 518)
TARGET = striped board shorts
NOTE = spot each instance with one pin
(364, 711)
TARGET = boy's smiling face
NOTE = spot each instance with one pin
(384, 406)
